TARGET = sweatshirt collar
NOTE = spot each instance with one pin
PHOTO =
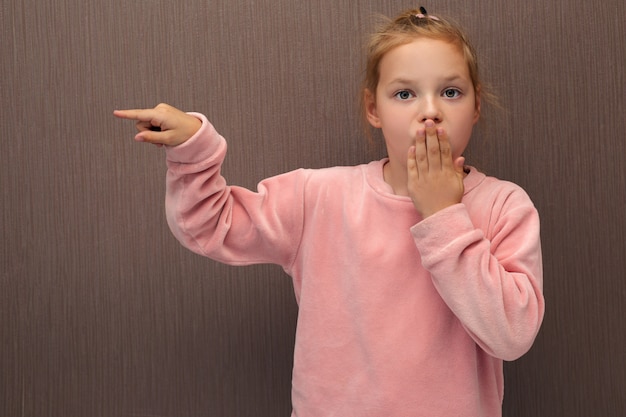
(374, 175)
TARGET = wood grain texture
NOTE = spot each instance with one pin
(102, 313)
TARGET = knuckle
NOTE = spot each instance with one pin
(433, 151)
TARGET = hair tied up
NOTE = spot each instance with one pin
(423, 14)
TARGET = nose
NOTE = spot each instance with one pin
(429, 110)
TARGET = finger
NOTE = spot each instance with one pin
(143, 115)
(153, 136)
(146, 120)
(149, 125)
(432, 146)
(445, 149)
(420, 152)
(459, 165)
(128, 114)
(411, 164)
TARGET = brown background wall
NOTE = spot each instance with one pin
(102, 313)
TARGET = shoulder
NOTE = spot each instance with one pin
(484, 189)
(313, 183)
(337, 176)
(494, 204)
(323, 189)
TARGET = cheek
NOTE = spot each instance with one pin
(460, 137)
(458, 147)
(397, 127)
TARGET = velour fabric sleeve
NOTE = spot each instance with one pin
(230, 224)
(492, 280)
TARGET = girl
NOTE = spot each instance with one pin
(415, 275)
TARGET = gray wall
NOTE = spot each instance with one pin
(102, 313)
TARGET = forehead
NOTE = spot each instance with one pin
(424, 57)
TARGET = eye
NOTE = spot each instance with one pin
(403, 94)
(451, 93)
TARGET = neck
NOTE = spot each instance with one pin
(396, 178)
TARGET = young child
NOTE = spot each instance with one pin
(415, 275)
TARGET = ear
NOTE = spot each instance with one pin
(477, 106)
(370, 109)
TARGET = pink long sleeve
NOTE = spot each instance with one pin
(227, 223)
(398, 316)
(491, 281)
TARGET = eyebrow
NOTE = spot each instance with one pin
(452, 78)
(448, 79)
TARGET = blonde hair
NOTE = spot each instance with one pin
(405, 28)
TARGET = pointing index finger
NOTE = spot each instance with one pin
(142, 115)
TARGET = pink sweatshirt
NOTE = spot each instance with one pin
(398, 316)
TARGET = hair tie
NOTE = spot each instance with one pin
(423, 14)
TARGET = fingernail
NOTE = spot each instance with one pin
(429, 123)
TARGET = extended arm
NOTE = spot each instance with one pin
(227, 223)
